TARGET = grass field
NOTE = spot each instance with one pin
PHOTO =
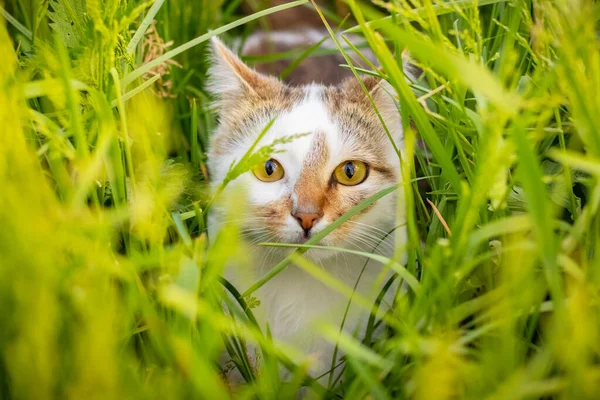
(110, 285)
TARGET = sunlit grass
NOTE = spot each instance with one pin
(111, 284)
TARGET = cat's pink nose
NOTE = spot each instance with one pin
(306, 220)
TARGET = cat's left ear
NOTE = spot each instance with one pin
(386, 100)
(230, 78)
(384, 96)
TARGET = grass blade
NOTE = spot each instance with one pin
(19, 26)
(396, 267)
(139, 33)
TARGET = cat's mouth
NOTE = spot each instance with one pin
(289, 238)
(302, 238)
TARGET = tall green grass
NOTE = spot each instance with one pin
(111, 286)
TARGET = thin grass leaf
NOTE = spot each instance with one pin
(19, 26)
(388, 262)
(146, 84)
(532, 177)
(577, 161)
(47, 87)
(420, 12)
(141, 30)
(354, 347)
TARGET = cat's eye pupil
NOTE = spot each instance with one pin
(349, 169)
(270, 167)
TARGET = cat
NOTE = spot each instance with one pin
(341, 156)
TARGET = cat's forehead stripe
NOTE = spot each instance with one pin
(308, 190)
(314, 92)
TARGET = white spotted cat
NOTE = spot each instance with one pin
(344, 157)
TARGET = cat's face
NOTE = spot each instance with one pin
(342, 156)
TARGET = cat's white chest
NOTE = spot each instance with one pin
(297, 306)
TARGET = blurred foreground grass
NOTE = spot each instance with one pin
(110, 287)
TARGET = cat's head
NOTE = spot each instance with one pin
(342, 156)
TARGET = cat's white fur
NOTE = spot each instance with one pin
(293, 301)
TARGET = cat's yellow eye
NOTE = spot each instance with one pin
(350, 173)
(270, 171)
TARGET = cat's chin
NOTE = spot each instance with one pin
(316, 256)
(319, 255)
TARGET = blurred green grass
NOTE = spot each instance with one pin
(110, 285)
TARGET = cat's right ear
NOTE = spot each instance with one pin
(230, 78)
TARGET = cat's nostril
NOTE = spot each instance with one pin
(306, 220)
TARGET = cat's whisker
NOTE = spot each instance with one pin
(369, 226)
(377, 235)
(259, 239)
(346, 262)
(372, 229)
(256, 229)
(380, 242)
(245, 220)
(364, 236)
(358, 242)
(271, 252)
(373, 244)
(382, 248)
